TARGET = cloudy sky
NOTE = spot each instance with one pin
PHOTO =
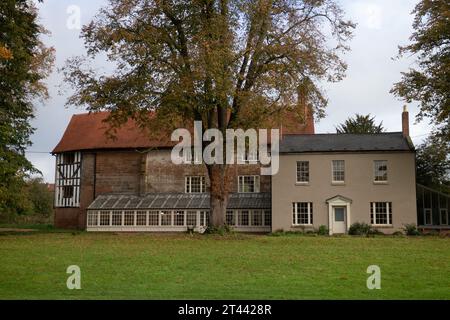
(382, 26)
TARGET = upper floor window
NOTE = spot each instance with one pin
(195, 184)
(380, 171)
(302, 171)
(248, 184)
(381, 213)
(338, 173)
(302, 213)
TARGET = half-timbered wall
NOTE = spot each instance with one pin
(68, 179)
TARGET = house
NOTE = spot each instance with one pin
(130, 184)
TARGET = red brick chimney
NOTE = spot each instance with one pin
(405, 122)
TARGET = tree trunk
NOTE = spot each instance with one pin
(219, 194)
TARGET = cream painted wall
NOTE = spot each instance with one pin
(359, 187)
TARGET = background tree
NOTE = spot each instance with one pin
(360, 124)
(433, 164)
(227, 63)
(24, 63)
(429, 82)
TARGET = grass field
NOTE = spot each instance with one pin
(157, 266)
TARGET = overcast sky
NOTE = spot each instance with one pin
(382, 26)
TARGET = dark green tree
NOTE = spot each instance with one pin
(360, 124)
(429, 81)
(24, 63)
(433, 163)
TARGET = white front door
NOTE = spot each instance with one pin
(339, 219)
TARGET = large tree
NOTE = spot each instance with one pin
(227, 63)
(428, 81)
(433, 163)
(360, 124)
(24, 63)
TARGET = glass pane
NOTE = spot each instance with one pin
(339, 214)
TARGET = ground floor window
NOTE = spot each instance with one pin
(302, 213)
(248, 218)
(381, 213)
(444, 217)
(428, 217)
(176, 218)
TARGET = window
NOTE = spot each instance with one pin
(243, 217)
(229, 218)
(249, 156)
(381, 213)
(303, 171)
(267, 218)
(141, 218)
(204, 218)
(338, 171)
(104, 218)
(191, 218)
(178, 218)
(444, 217)
(195, 184)
(92, 218)
(428, 216)
(302, 213)
(166, 218)
(153, 218)
(117, 218)
(248, 184)
(380, 171)
(257, 218)
(128, 218)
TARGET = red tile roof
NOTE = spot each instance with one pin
(87, 131)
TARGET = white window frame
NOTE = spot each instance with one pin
(388, 213)
(188, 184)
(334, 170)
(256, 183)
(309, 213)
(377, 178)
(298, 171)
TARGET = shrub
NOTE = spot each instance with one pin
(359, 229)
(323, 230)
(398, 233)
(363, 229)
(222, 230)
(411, 229)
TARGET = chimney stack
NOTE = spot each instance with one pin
(405, 122)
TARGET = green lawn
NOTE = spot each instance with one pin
(156, 266)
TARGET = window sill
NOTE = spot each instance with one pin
(301, 225)
(380, 182)
(338, 183)
(383, 226)
(302, 183)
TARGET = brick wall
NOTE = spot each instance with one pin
(132, 172)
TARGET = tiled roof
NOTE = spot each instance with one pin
(178, 201)
(87, 132)
(392, 141)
